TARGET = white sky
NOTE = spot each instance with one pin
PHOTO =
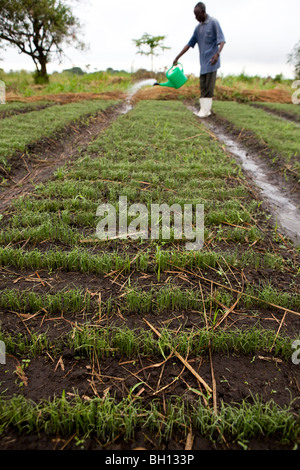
(259, 35)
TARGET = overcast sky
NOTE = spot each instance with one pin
(259, 35)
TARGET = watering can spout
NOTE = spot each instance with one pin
(167, 84)
(175, 76)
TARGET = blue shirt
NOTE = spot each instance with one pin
(208, 35)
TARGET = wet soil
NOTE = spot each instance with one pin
(113, 286)
(144, 441)
(259, 150)
(237, 377)
(274, 189)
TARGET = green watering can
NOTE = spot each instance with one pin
(175, 76)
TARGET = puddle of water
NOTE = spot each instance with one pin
(285, 211)
(133, 90)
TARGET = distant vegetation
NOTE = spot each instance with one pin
(75, 71)
(77, 80)
(73, 80)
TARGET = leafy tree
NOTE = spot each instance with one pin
(38, 29)
(75, 71)
(294, 59)
(148, 44)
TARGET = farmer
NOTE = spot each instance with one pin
(209, 36)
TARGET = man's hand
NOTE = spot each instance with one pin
(184, 50)
(214, 59)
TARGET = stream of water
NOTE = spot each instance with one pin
(133, 90)
(282, 204)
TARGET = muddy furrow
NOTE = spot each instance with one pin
(281, 197)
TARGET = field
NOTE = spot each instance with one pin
(140, 343)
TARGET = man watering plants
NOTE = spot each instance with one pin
(210, 39)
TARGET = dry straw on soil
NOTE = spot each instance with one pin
(275, 95)
(65, 98)
(222, 92)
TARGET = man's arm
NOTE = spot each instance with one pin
(215, 58)
(184, 50)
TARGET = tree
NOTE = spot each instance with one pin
(151, 43)
(38, 29)
(75, 71)
(294, 59)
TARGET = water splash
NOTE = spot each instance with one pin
(128, 106)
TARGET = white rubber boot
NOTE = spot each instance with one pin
(201, 105)
(205, 107)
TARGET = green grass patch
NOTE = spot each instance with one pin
(22, 82)
(80, 260)
(91, 340)
(19, 131)
(280, 136)
(108, 419)
(11, 108)
(289, 108)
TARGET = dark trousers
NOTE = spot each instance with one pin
(207, 84)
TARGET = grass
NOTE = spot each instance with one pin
(22, 83)
(71, 301)
(291, 109)
(169, 178)
(11, 108)
(279, 136)
(19, 131)
(105, 419)
(90, 340)
(80, 260)
(242, 81)
(140, 302)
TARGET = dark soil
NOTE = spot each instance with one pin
(143, 443)
(237, 378)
